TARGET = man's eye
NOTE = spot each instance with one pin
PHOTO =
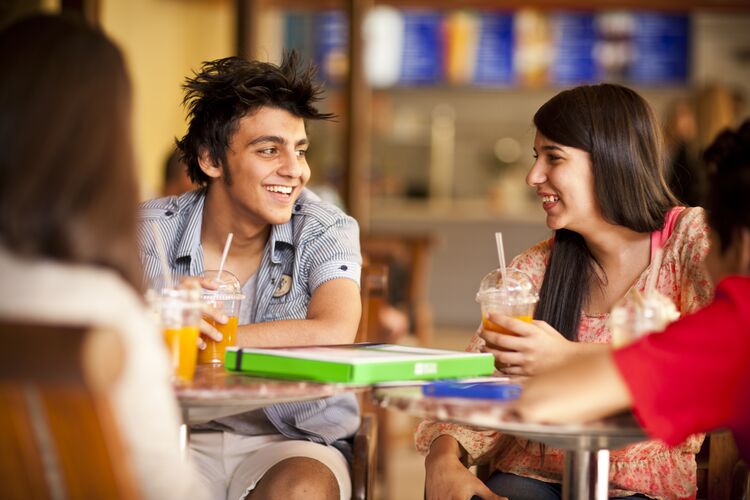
(301, 153)
(267, 151)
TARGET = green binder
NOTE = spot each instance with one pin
(358, 363)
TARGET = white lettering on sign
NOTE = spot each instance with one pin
(425, 368)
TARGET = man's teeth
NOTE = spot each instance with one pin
(550, 199)
(280, 189)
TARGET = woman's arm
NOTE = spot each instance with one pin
(588, 389)
(532, 348)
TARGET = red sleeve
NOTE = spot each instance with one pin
(687, 378)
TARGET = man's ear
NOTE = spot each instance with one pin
(208, 165)
(744, 251)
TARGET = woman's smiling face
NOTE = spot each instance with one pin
(563, 179)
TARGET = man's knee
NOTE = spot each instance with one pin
(297, 478)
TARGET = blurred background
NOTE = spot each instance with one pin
(434, 134)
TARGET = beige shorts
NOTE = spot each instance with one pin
(231, 465)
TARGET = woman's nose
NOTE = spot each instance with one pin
(536, 175)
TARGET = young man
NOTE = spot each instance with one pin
(297, 258)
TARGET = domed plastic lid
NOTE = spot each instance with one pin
(516, 289)
(227, 286)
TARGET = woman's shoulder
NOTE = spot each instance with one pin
(533, 260)
(64, 292)
(690, 228)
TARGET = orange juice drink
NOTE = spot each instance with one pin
(214, 351)
(178, 312)
(182, 344)
(222, 292)
(489, 325)
(510, 293)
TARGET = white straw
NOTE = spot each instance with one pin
(162, 251)
(224, 255)
(501, 255)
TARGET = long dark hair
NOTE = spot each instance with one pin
(728, 203)
(67, 186)
(617, 128)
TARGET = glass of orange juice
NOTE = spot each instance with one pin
(179, 313)
(224, 297)
(511, 293)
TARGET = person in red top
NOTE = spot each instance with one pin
(695, 375)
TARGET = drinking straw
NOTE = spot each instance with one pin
(224, 255)
(162, 251)
(501, 255)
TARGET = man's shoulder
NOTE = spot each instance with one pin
(312, 212)
(169, 206)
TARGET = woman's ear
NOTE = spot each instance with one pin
(208, 165)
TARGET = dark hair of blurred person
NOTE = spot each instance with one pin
(68, 249)
(67, 188)
(685, 171)
(176, 178)
(617, 128)
(228, 89)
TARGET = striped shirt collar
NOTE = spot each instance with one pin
(192, 234)
(190, 239)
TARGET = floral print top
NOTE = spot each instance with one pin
(650, 467)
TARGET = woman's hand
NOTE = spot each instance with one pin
(530, 349)
(446, 478)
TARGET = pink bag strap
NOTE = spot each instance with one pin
(660, 236)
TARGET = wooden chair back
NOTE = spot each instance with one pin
(57, 433)
(374, 293)
(411, 254)
(721, 473)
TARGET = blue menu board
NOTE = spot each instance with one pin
(331, 44)
(299, 34)
(422, 61)
(574, 35)
(662, 49)
(494, 57)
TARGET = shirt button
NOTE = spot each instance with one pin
(343, 268)
(169, 213)
(297, 208)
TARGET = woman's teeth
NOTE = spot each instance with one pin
(550, 199)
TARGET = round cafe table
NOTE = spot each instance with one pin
(586, 446)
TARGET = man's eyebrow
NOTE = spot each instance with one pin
(275, 139)
(268, 138)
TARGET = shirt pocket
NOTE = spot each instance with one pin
(286, 308)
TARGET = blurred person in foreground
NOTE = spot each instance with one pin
(598, 173)
(176, 178)
(296, 257)
(68, 250)
(694, 376)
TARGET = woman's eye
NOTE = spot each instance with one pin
(554, 158)
(535, 156)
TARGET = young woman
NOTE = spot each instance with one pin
(68, 251)
(598, 174)
(694, 376)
